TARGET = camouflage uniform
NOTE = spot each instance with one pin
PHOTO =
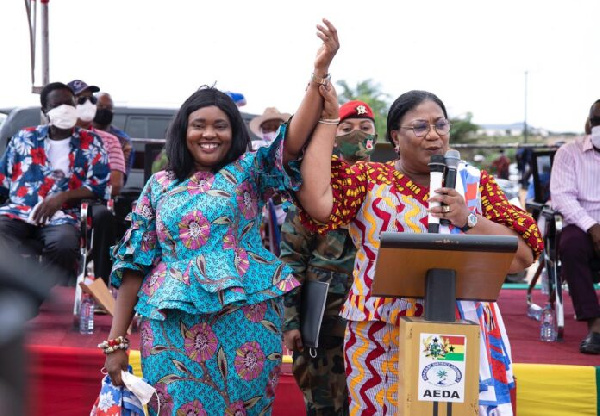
(327, 258)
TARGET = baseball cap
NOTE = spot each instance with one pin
(78, 86)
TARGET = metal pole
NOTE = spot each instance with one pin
(31, 27)
(34, 18)
(525, 117)
(45, 44)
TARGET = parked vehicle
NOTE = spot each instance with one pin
(3, 117)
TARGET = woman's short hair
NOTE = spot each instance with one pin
(180, 161)
(406, 102)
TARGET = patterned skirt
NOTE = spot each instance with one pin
(220, 364)
(371, 353)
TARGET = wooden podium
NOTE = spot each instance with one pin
(438, 369)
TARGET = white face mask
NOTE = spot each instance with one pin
(86, 111)
(63, 117)
(270, 136)
(596, 137)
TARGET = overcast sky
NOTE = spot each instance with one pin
(472, 53)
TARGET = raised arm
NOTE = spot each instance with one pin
(316, 194)
(307, 115)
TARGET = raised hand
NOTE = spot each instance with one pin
(328, 34)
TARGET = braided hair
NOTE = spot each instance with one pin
(406, 102)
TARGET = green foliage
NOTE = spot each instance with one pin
(462, 129)
(370, 93)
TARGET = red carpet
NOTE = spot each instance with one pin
(64, 366)
(524, 332)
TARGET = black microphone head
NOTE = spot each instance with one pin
(436, 163)
(452, 158)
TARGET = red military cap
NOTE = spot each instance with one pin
(355, 109)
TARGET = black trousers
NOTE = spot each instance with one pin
(104, 226)
(576, 255)
(59, 244)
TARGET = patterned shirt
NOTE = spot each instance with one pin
(26, 176)
(197, 242)
(574, 189)
(312, 256)
(374, 197)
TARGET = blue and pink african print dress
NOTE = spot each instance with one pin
(210, 301)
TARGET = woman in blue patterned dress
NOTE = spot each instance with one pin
(193, 266)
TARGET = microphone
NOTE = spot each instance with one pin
(436, 178)
(451, 158)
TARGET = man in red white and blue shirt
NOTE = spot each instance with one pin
(44, 173)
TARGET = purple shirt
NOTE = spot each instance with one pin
(575, 183)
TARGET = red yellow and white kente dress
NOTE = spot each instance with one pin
(375, 197)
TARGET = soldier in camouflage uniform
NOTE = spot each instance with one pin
(328, 258)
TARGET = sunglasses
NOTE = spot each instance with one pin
(595, 121)
(82, 100)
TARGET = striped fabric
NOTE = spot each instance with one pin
(574, 186)
(371, 358)
(111, 143)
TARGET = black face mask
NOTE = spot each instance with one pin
(103, 117)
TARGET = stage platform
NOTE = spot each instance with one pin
(553, 378)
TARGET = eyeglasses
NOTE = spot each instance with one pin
(82, 100)
(422, 128)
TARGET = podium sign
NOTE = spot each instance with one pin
(438, 368)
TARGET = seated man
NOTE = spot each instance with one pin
(103, 121)
(103, 219)
(44, 173)
(575, 193)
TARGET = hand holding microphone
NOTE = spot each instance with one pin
(436, 172)
(451, 158)
(446, 205)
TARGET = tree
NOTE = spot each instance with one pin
(462, 130)
(370, 93)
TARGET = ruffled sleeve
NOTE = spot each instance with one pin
(498, 209)
(138, 250)
(269, 173)
(349, 187)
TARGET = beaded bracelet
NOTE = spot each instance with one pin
(111, 345)
(334, 121)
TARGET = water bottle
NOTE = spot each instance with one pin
(548, 325)
(86, 315)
